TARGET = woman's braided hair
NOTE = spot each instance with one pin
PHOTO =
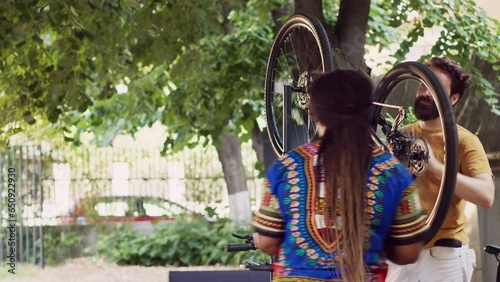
(340, 100)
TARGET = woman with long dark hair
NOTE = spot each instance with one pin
(336, 209)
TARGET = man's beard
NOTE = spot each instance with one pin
(425, 112)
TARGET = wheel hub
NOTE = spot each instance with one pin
(419, 155)
(303, 97)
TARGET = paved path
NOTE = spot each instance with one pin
(91, 270)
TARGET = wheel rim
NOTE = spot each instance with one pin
(396, 82)
(299, 49)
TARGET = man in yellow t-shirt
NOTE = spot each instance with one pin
(447, 256)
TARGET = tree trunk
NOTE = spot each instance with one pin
(349, 36)
(229, 152)
(230, 157)
(278, 14)
(258, 142)
(311, 7)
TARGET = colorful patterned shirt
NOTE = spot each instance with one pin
(291, 210)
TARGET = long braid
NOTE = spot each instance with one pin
(346, 155)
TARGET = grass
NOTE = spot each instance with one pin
(21, 270)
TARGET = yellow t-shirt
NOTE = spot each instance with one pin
(472, 161)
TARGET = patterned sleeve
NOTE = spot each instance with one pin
(409, 223)
(268, 220)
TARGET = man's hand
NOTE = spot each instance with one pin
(434, 166)
(478, 189)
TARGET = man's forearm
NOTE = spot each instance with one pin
(479, 190)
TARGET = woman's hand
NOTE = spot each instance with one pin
(266, 244)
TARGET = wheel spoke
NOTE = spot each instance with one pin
(300, 46)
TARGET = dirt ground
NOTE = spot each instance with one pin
(95, 270)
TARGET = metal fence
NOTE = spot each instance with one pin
(22, 194)
(49, 181)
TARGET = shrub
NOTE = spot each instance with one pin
(180, 243)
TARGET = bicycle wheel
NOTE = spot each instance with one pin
(399, 87)
(300, 48)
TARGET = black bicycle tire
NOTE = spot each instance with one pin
(412, 70)
(323, 42)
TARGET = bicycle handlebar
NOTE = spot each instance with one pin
(247, 246)
(239, 247)
(492, 249)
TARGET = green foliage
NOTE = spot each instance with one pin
(466, 35)
(330, 11)
(126, 113)
(61, 244)
(60, 57)
(219, 81)
(210, 85)
(385, 29)
(181, 243)
(196, 66)
(409, 119)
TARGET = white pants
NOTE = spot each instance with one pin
(440, 264)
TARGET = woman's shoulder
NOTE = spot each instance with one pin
(298, 155)
(309, 148)
(386, 162)
(303, 151)
(379, 154)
